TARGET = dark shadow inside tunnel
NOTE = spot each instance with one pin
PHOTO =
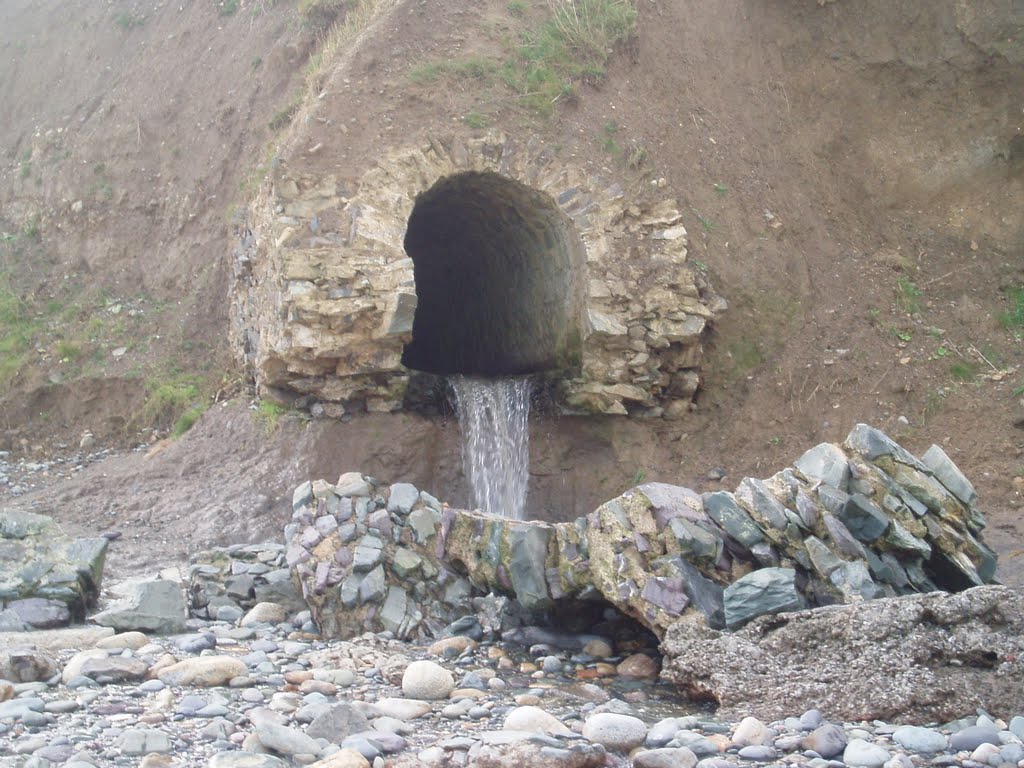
(499, 273)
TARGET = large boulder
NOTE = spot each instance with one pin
(847, 523)
(918, 658)
(47, 578)
(156, 606)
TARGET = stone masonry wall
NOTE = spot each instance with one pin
(324, 296)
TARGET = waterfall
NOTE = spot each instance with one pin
(493, 416)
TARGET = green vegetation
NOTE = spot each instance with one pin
(472, 68)
(227, 8)
(543, 60)
(340, 31)
(17, 330)
(322, 13)
(269, 415)
(177, 398)
(130, 20)
(476, 120)
(908, 295)
(610, 145)
(26, 164)
(1013, 318)
(706, 224)
(283, 117)
(721, 190)
(963, 370)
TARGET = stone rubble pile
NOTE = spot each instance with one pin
(265, 691)
(845, 524)
(47, 579)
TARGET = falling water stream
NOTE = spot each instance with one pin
(493, 415)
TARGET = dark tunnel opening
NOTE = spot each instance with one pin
(499, 273)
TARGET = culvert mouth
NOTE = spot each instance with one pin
(499, 272)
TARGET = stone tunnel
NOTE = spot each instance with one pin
(484, 255)
(499, 274)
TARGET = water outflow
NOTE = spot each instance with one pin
(493, 416)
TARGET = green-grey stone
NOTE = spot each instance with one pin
(761, 503)
(402, 498)
(392, 613)
(695, 541)
(89, 557)
(20, 525)
(949, 474)
(528, 547)
(367, 554)
(832, 498)
(721, 507)
(827, 464)
(900, 538)
(431, 502)
(872, 443)
(373, 587)
(863, 518)
(854, 581)
(302, 496)
(405, 562)
(349, 591)
(759, 593)
(423, 522)
(823, 559)
(457, 592)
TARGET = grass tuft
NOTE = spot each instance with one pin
(1012, 319)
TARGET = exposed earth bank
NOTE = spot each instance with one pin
(851, 175)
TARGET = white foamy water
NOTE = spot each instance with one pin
(493, 415)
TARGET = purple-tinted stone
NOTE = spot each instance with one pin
(310, 537)
(326, 525)
(671, 501)
(343, 557)
(501, 574)
(320, 578)
(627, 589)
(642, 545)
(41, 613)
(335, 574)
(666, 593)
(295, 554)
(303, 516)
(380, 521)
(344, 511)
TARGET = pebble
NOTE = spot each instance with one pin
(224, 699)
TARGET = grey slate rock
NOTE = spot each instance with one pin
(872, 443)
(403, 498)
(528, 545)
(338, 723)
(761, 503)
(153, 606)
(917, 739)
(949, 474)
(826, 464)
(721, 507)
(971, 738)
(863, 518)
(765, 591)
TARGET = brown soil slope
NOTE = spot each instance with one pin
(853, 176)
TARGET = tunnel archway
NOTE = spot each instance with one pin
(499, 272)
